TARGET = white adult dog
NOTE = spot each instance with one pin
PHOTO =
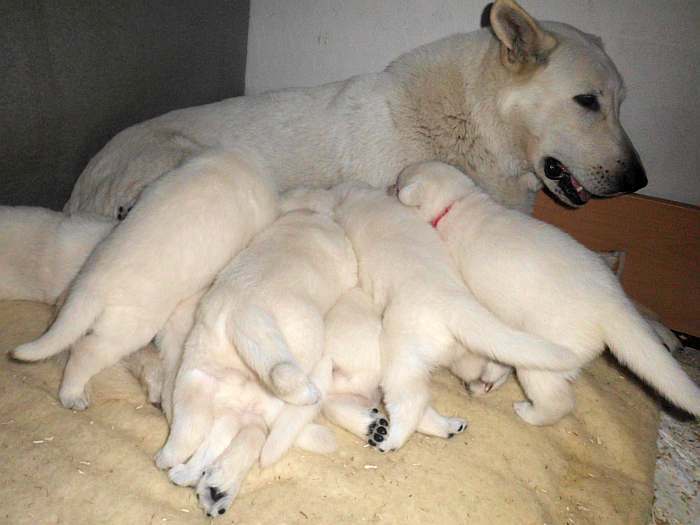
(266, 310)
(519, 97)
(426, 307)
(538, 279)
(185, 228)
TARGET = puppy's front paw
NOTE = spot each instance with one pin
(164, 459)
(214, 500)
(184, 476)
(378, 429)
(74, 400)
(478, 387)
(526, 411)
(456, 425)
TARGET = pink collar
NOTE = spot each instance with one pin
(441, 216)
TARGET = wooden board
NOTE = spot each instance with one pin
(661, 243)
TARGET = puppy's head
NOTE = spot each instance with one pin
(563, 99)
(431, 187)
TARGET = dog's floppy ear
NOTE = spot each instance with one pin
(523, 41)
(411, 194)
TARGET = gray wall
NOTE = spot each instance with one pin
(655, 44)
(73, 73)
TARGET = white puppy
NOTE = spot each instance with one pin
(41, 250)
(185, 228)
(264, 310)
(426, 307)
(538, 279)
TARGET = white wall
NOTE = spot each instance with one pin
(655, 44)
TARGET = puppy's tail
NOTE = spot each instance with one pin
(262, 346)
(483, 333)
(635, 344)
(293, 424)
(74, 319)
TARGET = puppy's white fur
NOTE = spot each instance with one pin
(426, 308)
(41, 250)
(261, 321)
(184, 229)
(540, 280)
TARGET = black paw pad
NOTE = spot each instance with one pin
(215, 494)
(377, 431)
(222, 511)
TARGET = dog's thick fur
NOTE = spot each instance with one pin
(265, 310)
(426, 307)
(184, 229)
(497, 102)
(538, 279)
(41, 250)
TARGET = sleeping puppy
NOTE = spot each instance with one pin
(352, 397)
(260, 325)
(536, 278)
(42, 250)
(426, 307)
(186, 226)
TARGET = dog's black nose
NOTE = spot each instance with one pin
(634, 176)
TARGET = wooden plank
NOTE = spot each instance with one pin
(661, 242)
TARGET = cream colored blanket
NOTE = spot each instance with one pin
(58, 466)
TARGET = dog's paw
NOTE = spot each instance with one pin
(456, 425)
(526, 411)
(214, 500)
(478, 387)
(74, 400)
(378, 429)
(184, 475)
(164, 459)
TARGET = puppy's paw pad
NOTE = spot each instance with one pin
(214, 501)
(378, 429)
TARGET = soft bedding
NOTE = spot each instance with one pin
(58, 466)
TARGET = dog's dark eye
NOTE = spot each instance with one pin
(588, 102)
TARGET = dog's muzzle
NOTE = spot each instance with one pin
(568, 184)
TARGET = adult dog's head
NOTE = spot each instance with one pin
(563, 95)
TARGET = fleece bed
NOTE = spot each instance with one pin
(58, 466)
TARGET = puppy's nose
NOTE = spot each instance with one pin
(634, 176)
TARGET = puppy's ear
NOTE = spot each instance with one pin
(411, 194)
(523, 41)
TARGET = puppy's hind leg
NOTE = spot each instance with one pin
(358, 415)
(220, 483)
(223, 430)
(113, 337)
(171, 341)
(406, 397)
(550, 393)
(192, 417)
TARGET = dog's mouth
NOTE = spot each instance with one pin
(569, 185)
